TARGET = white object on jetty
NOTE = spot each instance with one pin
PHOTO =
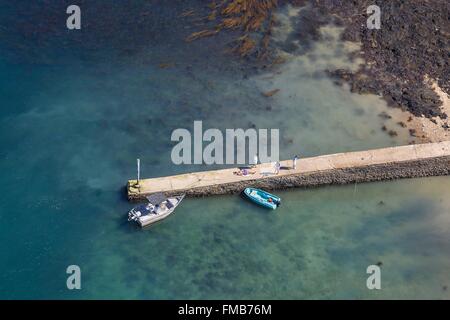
(138, 170)
(158, 207)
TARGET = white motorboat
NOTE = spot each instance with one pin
(158, 208)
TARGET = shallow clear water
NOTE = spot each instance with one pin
(77, 109)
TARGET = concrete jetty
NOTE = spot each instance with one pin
(422, 160)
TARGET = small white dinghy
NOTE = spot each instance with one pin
(158, 207)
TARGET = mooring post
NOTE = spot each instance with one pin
(138, 172)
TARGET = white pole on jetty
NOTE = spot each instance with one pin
(138, 171)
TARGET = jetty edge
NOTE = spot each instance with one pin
(409, 161)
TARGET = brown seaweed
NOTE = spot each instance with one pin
(247, 16)
(201, 34)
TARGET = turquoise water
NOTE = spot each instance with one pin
(77, 109)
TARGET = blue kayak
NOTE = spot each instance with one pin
(262, 198)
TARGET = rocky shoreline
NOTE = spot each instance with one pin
(413, 43)
(406, 61)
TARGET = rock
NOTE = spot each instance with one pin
(392, 133)
(384, 115)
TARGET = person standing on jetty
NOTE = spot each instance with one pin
(277, 167)
(255, 160)
(294, 162)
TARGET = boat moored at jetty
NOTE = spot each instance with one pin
(263, 198)
(158, 208)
